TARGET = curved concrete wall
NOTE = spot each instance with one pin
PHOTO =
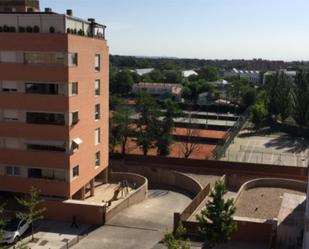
(164, 178)
(272, 183)
(139, 195)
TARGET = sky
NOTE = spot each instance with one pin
(205, 29)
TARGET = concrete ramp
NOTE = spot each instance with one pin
(291, 221)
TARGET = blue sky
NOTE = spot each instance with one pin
(210, 29)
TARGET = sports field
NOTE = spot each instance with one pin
(279, 149)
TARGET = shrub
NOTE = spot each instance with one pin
(6, 28)
(21, 29)
(52, 29)
(29, 29)
(36, 29)
(81, 32)
(75, 31)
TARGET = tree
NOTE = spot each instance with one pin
(172, 76)
(166, 127)
(2, 224)
(189, 143)
(208, 73)
(278, 87)
(154, 76)
(147, 126)
(248, 97)
(300, 99)
(216, 223)
(31, 212)
(121, 83)
(177, 241)
(259, 114)
(120, 127)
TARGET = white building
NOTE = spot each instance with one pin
(251, 75)
(220, 83)
(143, 71)
(291, 74)
(188, 73)
(158, 89)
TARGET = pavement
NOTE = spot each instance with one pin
(141, 226)
(278, 149)
(54, 235)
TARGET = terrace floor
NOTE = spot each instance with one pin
(262, 203)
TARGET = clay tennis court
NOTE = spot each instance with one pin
(202, 151)
(201, 133)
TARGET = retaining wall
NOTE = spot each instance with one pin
(159, 177)
(139, 195)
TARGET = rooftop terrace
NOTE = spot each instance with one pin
(50, 22)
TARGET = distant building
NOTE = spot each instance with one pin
(188, 73)
(220, 83)
(251, 75)
(291, 74)
(159, 89)
(19, 6)
(143, 71)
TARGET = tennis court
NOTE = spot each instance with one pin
(274, 149)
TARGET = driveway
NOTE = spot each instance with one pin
(141, 226)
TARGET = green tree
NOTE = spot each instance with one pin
(32, 211)
(120, 127)
(258, 114)
(300, 99)
(177, 241)
(172, 76)
(216, 223)
(208, 73)
(166, 126)
(121, 83)
(248, 96)
(2, 224)
(147, 126)
(155, 76)
(278, 87)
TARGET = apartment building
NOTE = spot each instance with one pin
(251, 75)
(53, 101)
(158, 89)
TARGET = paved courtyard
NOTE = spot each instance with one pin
(140, 226)
(279, 149)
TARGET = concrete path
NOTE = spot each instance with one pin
(141, 226)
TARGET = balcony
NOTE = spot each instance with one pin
(50, 22)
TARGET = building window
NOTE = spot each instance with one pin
(74, 89)
(43, 147)
(44, 58)
(45, 118)
(98, 158)
(9, 86)
(76, 171)
(97, 136)
(8, 57)
(10, 115)
(12, 171)
(72, 59)
(75, 118)
(97, 63)
(97, 111)
(97, 87)
(41, 88)
(34, 173)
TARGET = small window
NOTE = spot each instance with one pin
(75, 118)
(97, 63)
(98, 158)
(34, 173)
(97, 111)
(12, 171)
(97, 135)
(74, 89)
(9, 86)
(72, 59)
(97, 87)
(10, 115)
(76, 171)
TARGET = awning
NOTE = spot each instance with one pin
(78, 141)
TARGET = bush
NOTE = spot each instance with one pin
(29, 29)
(36, 29)
(259, 114)
(12, 29)
(75, 31)
(1, 29)
(52, 29)
(81, 32)
(6, 28)
(21, 29)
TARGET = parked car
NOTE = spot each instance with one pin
(13, 230)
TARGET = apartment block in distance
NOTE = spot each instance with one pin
(53, 101)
